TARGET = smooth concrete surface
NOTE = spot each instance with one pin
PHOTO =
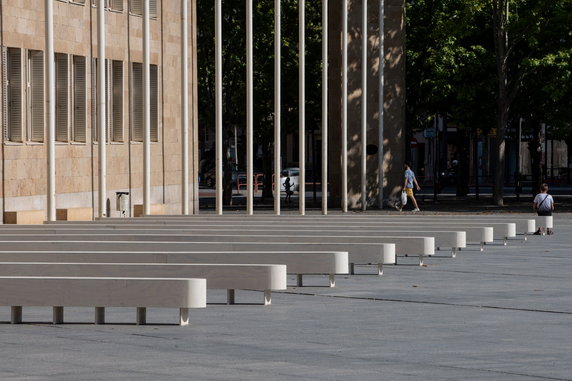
(501, 315)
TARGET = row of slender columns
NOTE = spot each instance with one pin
(101, 109)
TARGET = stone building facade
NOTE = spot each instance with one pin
(23, 175)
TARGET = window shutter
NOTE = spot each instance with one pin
(37, 100)
(153, 8)
(79, 99)
(94, 99)
(5, 94)
(137, 102)
(14, 94)
(62, 97)
(116, 5)
(136, 7)
(154, 109)
(117, 102)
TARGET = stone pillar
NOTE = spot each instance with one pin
(394, 148)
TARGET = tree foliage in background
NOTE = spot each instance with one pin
(234, 76)
(486, 63)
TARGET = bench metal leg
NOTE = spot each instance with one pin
(482, 246)
(16, 315)
(380, 269)
(525, 236)
(267, 297)
(299, 280)
(58, 315)
(183, 316)
(141, 315)
(230, 296)
(332, 279)
(352, 269)
(99, 315)
(421, 260)
(505, 241)
(454, 252)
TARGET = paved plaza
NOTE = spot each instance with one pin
(505, 314)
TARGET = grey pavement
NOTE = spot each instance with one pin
(505, 314)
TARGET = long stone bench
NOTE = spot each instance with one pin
(297, 262)
(443, 238)
(404, 245)
(218, 276)
(525, 224)
(141, 293)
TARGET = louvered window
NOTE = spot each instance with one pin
(12, 91)
(116, 5)
(137, 102)
(136, 7)
(117, 101)
(36, 95)
(62, 98)
(154, 109)
(79, 99)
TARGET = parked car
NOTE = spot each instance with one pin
(294, 174)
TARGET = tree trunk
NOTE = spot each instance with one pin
(267, 169)
(464, 167)
(536, 158)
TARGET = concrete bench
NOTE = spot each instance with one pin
(474, 234)
(297, 262)
(504, 230)
(404, 245)
(156, 209)
(545, 222)
(25, 217)
(141, 293)
(74, 214)
(443, 238)
(266, 278)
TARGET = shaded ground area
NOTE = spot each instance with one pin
(500, 315)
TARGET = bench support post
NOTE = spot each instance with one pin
(505, 241)
(332, 279)
(525, 236)
(141, 315)
(267, 297)
(58, 315)
(482, 246)
(299, 280)
(352, 269)
(380, 269)
(99, 315)
(16, 315)
(420, 260)
(230, 296)
(454, 252)
(183, 316)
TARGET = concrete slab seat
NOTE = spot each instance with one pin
(443, 238)
(25, 217)
(265, 278)
(156, 209)
(296, 262)
(524, 225)
(141, 293)
(404, 245)
(74, 214)
(545, 222)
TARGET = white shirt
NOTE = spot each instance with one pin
(546, 200)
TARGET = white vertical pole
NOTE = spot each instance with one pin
(146, 112)
(302, 106)
(218, 74)
(185, 106)
(51, 106)
(344, 152)
(249, 112)
(381, 98)
(277, 105)
(364, 70)
(324, 107)
(101, 109)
